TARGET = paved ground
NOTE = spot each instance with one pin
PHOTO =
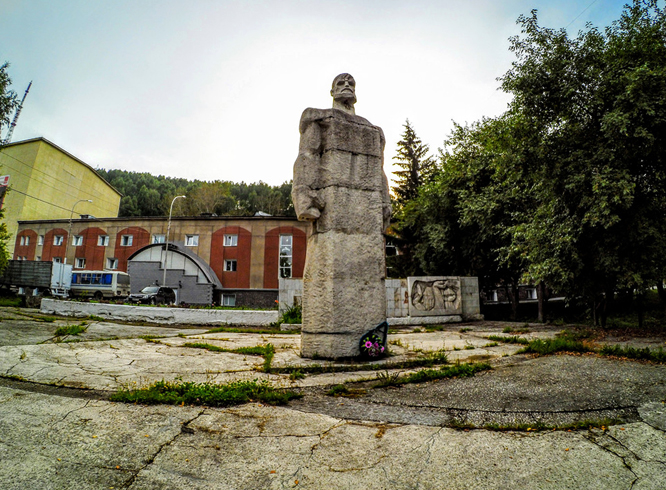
(70, 436)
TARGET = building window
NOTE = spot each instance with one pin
(159, 238)
(80, 263)
(40, 240)
(530, 293)
(230, 240)
(126, 240)
(191, 240)
(77, 240)
(25, 240)
(103, 240)
(228, 300)
(57, 240)
(112, 263)
(38, 258)
(285, 255)
(229, 266)
(57, 260)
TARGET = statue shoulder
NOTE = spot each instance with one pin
(311, 115)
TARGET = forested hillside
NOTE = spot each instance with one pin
(147, 195)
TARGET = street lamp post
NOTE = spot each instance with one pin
(166, 244)
(69, 236)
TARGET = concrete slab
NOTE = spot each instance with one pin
(60, 443)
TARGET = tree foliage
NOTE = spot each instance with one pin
(147, 195)
(7, 104)
(7, 98)
(569, 185)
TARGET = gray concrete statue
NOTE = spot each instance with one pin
(340, 185)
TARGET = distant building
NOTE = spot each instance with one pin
(247, 254)
(45, 182)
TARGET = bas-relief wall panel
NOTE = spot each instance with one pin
(434, 296)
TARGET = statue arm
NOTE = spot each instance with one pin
(304, 193)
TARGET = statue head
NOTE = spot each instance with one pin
(344, 92)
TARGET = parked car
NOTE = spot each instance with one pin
(154, 295)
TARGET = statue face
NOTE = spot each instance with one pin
(344, 88)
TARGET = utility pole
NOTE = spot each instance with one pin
(8, 138)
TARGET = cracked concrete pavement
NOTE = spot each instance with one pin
(67, 436)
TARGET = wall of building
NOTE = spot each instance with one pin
(256, 253)
(46, 182)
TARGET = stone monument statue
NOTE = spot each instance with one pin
(339, 184)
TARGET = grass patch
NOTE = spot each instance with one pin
(291, 315)
(469, 347)
(516, 330)
(508, 340)
(95, 318)
(433, 359)
(465, 329)
(257, 350)
(574, 334)
(267, 351)
(70, 330)
(539, 426)
(550, 346)
(296, 374)
(455, 371)
(645, 354)
(224, 328)
(491, 344)
(338, 390)
(46, 319)
(208, 394)
(75, 340)
(152, 337)
(16, 302)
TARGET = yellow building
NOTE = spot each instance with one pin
(46, 182)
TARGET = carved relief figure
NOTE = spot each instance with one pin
(431, 295)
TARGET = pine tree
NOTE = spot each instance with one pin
(416, 168)
(415, 164)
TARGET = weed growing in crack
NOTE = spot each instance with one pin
(296, 374)
(70, 330)
(464, 329)
(516, 330)
(508, 340)
(645, 354)
(208, 394)
(457, 370)
(338, 390)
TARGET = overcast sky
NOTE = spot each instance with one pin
(214, 90)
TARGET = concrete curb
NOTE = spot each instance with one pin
(153, 314)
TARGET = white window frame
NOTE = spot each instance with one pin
(38, 258)
(159, 238)
(24, 240)
(57, 240)
(191, 240)
(230, 240)
(77, 241)
(126, 240)
(79, 263)
(286, 256)
(57, 260)
(40, 240)
(112, 263)
(230, 265)
(228, 300)
(103, 240)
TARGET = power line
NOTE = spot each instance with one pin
(38, 199)
(585, 10)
